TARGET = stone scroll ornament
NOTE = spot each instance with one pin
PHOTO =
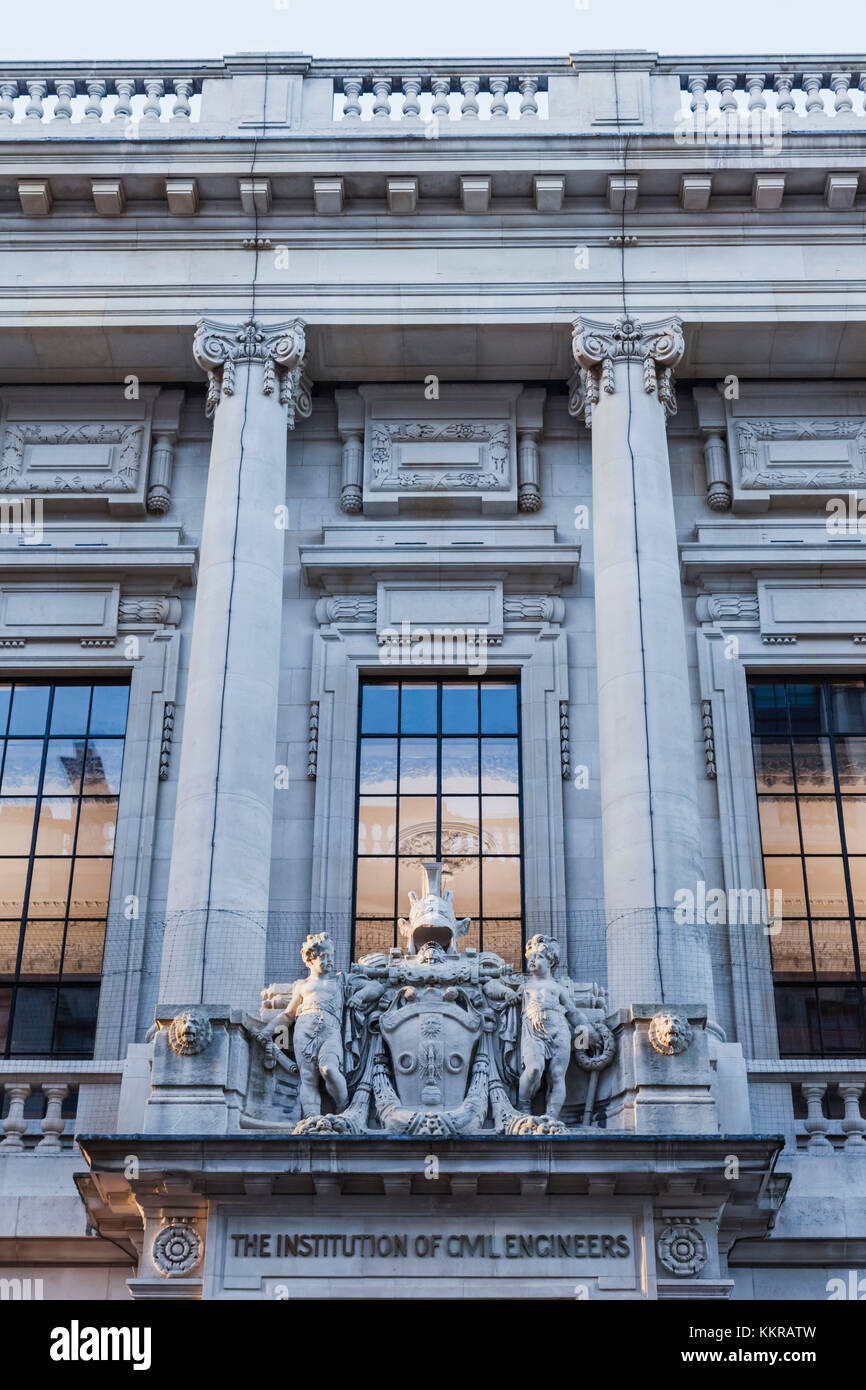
(427, 1039)
(219, 348)
(597, 347)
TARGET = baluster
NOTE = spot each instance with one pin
(125, 90)
(812, 83)
(840, 83)
(499, 95)
(441, 88)
(862, 86)
(37, 89)
(528, 104)
(853, 1124)
(726, 84)
(697, 85)
(96, 89)
(411, 93)
(783, 83)
(65, 90)
(382, 94)
(15, 1124)
(183, 90)
(352, 89)
(469, 107)
(755, 84)
(52, 1123)
(815, 1123)
(154, 90)
(8, 93)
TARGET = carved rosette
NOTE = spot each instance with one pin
(681, 1248)
(177, 1249)
(597, 347)
(219, 348)
(190, 1032)
(670, 1033)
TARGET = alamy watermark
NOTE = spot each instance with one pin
(739, 906)
(758, 130)
(22, 516)
(438, 646)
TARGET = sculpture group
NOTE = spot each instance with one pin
(429, 1039)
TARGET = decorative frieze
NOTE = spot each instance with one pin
(219, 348)
(802, 455)
(598, 347)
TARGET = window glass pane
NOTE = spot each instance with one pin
(460, 830)
(462, 877)
(5, 1010)
(83, 952)
(769, 708)
(5, 702)
(70, 709)
(499, 766)
(16, 825)
(417, 765)
(49, 888)
(102, 766)
(10, 935)
(819, 819)
(408, 880)
(418, 709)
(500, 823)
(786, 876)
(75, 1025)
(29, 709)
(378, 765)
(797, 1019)
(834, 949)
(96, 825)
(379, 709)
(806, 708)
(854, 816)
(43, 945)
(791, 951)
(825, 880)
(498, 708)
(33, 1021)
(848, 707)
(460, 709)
(90, 883)
(377, 825)
(779, 832)
(375, 888)
(64, 764)
(841, 1021)
(773, 765)
(459, 765)
(21, 767)
(373, 938)
(56, 830)
(472, 939)
(851, 762)
(13, 878)
(418, 825)
(857, 875)
(505, 939)
(813, 765)
(500, 885)
(108, 710)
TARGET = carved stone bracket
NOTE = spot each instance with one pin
(220, 347)
(741, 609)
(347, 608)
(597, 347)
(160, 610)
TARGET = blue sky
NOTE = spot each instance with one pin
(103, 29)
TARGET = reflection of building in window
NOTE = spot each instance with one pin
(61, 752)
(439, 778)
(810, 767)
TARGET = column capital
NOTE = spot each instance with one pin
(219, 348)
(597, 346)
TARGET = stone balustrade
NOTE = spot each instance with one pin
(44, 1103)
(575, 93)
(819, 1105)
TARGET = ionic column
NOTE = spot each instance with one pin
(214, 945)
(650, 817)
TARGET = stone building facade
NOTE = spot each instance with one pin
(441, 479)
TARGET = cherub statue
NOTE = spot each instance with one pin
(315, 1009)
(550, 1023)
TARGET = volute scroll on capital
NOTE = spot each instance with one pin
(597, 346)
(219, 348)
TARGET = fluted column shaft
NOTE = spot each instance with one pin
(214, 949)
(650, 817)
